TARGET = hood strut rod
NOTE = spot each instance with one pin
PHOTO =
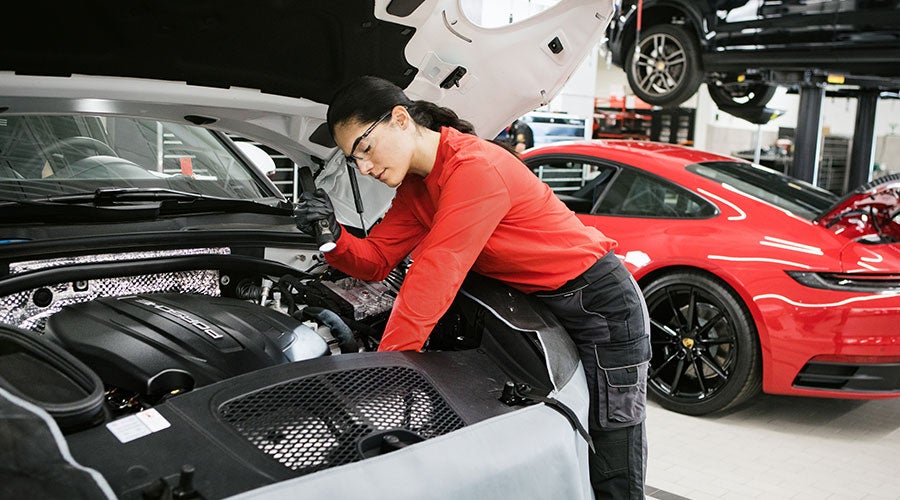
(357, 199)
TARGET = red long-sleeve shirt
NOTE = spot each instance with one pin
(480, 208)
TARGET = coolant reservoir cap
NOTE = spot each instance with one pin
(306, 344)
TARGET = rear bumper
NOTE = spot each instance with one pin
(830, 344)
(875, 378)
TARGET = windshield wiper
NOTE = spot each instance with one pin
(108, 196)
(116, 196)
(101, 197)
(143, 202)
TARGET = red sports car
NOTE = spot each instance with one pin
(753, 279)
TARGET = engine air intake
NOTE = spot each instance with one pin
(317, 422)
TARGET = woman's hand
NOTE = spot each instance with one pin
(313, 208)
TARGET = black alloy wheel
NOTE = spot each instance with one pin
(744, 94)
(705, 347)
(666, 70)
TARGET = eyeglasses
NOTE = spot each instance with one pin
(351, 159)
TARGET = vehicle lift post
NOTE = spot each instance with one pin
(809, 132)
(863, 138)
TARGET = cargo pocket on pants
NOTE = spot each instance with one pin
(622, 382)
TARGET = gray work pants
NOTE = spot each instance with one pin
(604, 312)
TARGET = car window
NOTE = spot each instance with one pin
(579, 184)
(785, 192)
(636, 194)
(44, 156)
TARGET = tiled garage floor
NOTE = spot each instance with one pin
(777, 447)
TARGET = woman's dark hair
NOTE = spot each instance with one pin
(369, 97)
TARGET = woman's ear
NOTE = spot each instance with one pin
(401, 116)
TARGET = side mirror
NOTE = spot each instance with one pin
(259, 158)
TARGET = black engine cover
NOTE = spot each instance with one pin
(155, 343)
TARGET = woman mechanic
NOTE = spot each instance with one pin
(463, 203)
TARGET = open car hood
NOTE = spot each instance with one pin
(266, 69)
(869, 211)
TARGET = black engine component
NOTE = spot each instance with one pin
(47, 376)
(155, 344)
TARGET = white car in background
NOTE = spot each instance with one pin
(167, 332)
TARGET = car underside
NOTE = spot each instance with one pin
(744, 50)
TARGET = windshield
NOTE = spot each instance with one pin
(46, 156)
(785, 192)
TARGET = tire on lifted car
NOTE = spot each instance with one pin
(668, 70)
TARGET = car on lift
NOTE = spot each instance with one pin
(744, 49)
(165, 329)
(752, 279)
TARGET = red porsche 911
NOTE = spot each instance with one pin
(754, 280)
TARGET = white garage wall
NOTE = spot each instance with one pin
(720, 132)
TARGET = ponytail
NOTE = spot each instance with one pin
(366, 98)
(432, 116)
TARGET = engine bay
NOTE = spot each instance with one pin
(153, 336)
(268, 350)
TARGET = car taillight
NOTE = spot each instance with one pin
(846, 282)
